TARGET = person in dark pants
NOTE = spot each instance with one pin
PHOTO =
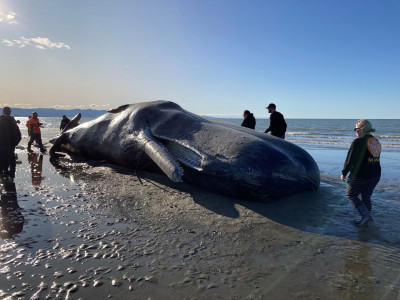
(277, 123)
(34, 132)
(64, 122)
(10, 136)
(248, 120)
(363, 163)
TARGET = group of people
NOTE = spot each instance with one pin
(277, 123)
(10, 136)
(362, 161)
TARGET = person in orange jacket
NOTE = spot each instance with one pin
(34, 132)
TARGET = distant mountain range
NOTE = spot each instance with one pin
(51, 112)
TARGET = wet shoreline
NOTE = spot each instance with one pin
(96, 230)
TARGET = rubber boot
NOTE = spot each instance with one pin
(371, 219)
(29, 148)
(365, 217)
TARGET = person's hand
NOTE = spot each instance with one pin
(342, 177)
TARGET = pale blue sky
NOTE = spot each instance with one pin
(313, 59)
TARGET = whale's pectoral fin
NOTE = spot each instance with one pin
(160, 156)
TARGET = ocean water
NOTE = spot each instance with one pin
(327, 140)
(333, 133)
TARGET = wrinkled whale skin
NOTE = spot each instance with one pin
(221, 157)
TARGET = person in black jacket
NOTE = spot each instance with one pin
(363, 163)
(248, 120)
(64, 122)
(277, 123)
(10, 136)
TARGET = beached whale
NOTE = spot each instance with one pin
(215, 155)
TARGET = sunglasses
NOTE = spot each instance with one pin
(355, 129)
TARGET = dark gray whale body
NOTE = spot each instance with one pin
(218, 156)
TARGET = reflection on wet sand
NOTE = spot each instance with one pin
(95, 230)
(36, 162)
(357, 278)
(11, 220)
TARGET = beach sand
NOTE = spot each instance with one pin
(92, 230)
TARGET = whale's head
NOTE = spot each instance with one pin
(231, 159)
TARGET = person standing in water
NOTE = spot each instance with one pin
(34, 132)
(64, 122)
(363, 163)
(10, 136)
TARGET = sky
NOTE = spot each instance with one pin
(312, 58)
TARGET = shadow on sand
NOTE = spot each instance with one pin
(325, 212)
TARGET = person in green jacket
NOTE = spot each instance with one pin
(363, 163)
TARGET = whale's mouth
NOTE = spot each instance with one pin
(184, 154)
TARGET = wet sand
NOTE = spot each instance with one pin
(93, 230)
